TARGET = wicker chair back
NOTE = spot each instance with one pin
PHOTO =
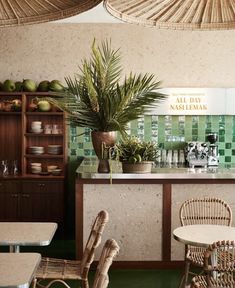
(109, 252)
(219, 266)
(205, 211)
(93, 242)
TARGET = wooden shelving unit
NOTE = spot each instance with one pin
(15, 139)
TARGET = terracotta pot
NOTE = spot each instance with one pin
(100, 141)
(139, 168)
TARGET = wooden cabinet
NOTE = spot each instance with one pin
(46, 201)
(9, 200)
(28, 196)
(32, 201)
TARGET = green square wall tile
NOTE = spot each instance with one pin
(187, 128)
(133, 125)
(221, 145)
(227, 159)
(175, 125)
(221, 152)
(221, 138)
(228, 145)
(221, 160)
(228, 152)
(201, 138)
(228, 137)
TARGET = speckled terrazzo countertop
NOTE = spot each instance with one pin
(88, 170)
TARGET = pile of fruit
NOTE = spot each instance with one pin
(14, 105)
(29, 85)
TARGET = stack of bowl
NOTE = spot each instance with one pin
(51, 168)
(36, 150)
(54, 149)
(56, 172)
(36, 127)
(36, 168)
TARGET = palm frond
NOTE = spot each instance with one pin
(95, 98)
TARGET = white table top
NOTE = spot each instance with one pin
(203, 235)
(26, 233)
(17, 269)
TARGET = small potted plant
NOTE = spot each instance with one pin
(136, 156)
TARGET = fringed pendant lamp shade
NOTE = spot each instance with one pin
(175, 14)
(21, 12)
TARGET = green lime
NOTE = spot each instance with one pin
(138, 158)
(132, 160)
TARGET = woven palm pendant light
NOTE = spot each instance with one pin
(21, 12)
(175, 14)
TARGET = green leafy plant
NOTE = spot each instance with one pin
(97, 98)
(133, 150)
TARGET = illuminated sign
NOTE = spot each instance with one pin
(196, 101)
(188, 102)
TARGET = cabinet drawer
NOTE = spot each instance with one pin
(43, 187)
(10, 187)
(2, 187)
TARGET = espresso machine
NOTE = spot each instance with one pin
(213, 155)
(196, 154)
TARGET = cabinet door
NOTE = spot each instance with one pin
(42, 201)
(9, 201)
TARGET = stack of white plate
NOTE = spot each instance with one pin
(37, 150)
(36, 127)
(54, 149)
(36, 168)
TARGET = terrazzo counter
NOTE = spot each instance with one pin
(88, 170)
(144, 208)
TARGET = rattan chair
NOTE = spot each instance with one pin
(109, 252)
(201, 211)
(101, 280)
(51, 268)
(220, 272)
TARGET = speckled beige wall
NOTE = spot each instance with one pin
(179, 58)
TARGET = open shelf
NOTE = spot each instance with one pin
(10, 113)
(44, 113)
(44, 156)
(42, 135)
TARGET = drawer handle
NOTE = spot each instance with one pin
(25, 195)
(14, 195)
(41, 185)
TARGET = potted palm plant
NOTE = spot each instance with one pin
(136, 156)
(97, 97)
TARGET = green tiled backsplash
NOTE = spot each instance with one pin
(170, 132)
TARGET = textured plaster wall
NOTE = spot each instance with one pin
(179, 58)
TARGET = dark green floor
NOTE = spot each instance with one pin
(137, 279)
(118, 278)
